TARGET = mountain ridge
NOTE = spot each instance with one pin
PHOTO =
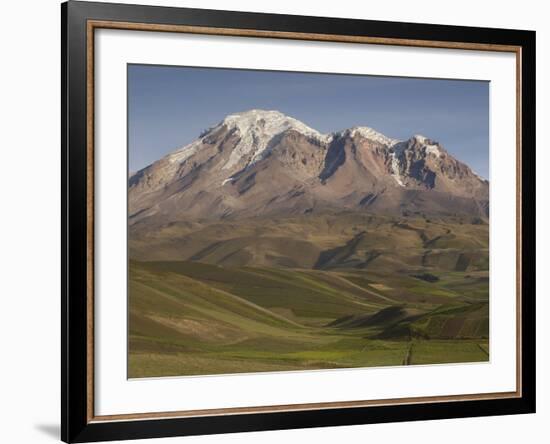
(265, 162)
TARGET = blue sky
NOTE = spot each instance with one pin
(169, 106)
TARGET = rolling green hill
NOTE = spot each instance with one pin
(189, 317)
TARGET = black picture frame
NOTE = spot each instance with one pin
(76, 424)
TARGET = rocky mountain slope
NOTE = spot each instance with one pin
(266, 163)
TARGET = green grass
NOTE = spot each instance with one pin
(191, 318)
(444, 352)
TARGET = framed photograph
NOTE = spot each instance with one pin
(275, 221)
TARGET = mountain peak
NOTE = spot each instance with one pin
(266, 122)
(256, 128)
(430, 146)
(420, 138)
(253, 114)
(371, 134)
(276, 163)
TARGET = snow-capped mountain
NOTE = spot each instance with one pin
(264, 162)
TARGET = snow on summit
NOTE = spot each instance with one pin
(371, 134)
(257, 128)
(252, 149)
(430, 146)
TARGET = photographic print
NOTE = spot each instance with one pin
(285, 221)
(277, 222)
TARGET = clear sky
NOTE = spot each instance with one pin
(169, 106)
